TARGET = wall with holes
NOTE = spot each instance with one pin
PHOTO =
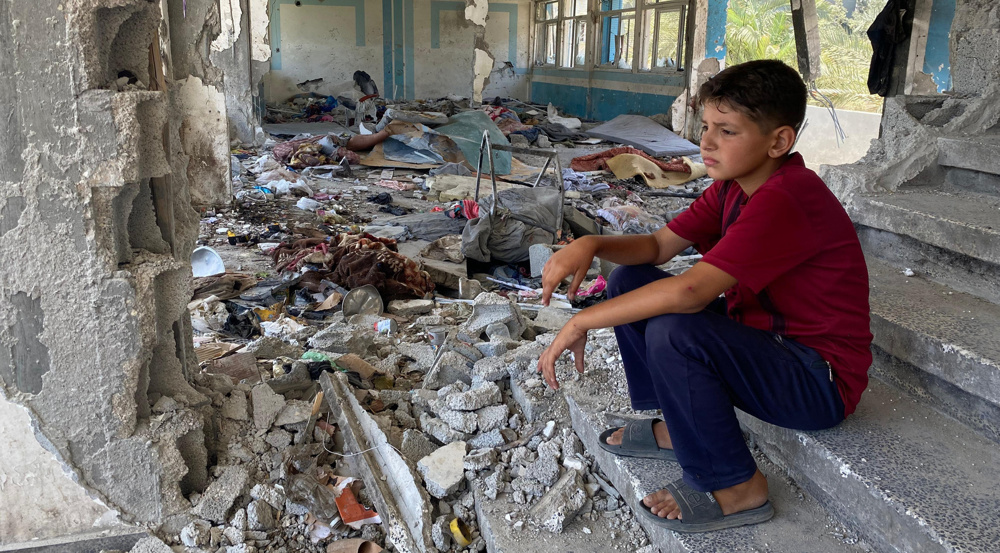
(411, 48)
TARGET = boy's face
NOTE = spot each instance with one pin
(735, 148)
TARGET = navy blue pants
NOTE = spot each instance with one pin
(697, 367)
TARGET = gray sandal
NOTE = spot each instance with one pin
(637, 441)
(702, 513)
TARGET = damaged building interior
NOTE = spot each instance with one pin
(295, 304)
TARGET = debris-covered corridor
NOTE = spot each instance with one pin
(273, 274)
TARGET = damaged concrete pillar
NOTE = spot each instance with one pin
(96, 230)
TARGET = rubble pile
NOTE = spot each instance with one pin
(345, 336)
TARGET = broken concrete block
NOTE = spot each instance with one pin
(493, 308)
(492, 417)
(278, 438)
(469, 288)
(234, 535)
(150, 545)
(495, 482)
(295, 411)
(422, 354)
(543, 141)
(241, 548)
(476, 398)
(490, 368)
(461, 421)
(545, 469)
(552, 318)
(496, 349)
(439, 430)
(236, 407)
(519, 141)
(538, 255)
(218, 499)
(261, 516)
(339, 338)
(410, 308)
(197, 534)
(493, 438)
(467, 350)
(443, 470)
(165, 404)
(451, 367)
(559, 506)
(271, 347)
(274, 496)
(480, 459)
(415, 445)
(266, 405)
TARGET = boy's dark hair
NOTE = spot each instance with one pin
(768, 92)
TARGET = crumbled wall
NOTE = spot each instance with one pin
(96, 230)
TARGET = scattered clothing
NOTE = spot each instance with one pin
(599, 161)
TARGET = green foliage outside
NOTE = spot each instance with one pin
(762, 29)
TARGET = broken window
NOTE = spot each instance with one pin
(663, 36)
(546, 32)
(561, 33)
(617, 33)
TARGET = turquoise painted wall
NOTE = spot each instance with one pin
(937, 57)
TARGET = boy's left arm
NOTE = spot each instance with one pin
(688, 292)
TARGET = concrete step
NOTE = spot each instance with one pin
(946, 344)
(800, 525)
(952, 269)
(905, 477)
(975, 153)
(961, 222)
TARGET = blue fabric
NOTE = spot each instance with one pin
(697, 367)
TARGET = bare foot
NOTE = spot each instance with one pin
(659, 431)
(741, 497)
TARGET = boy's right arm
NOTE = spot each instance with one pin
(635, 249)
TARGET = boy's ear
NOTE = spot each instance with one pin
(782, 140)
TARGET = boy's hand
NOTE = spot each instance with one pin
(572, 338)
(574, 259)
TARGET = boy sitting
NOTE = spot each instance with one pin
(789, 343)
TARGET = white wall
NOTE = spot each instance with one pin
(424, 58)
(37, 499)
(818, 143)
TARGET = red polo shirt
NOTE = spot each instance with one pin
(796, 257)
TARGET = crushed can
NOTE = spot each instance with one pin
(386, 326)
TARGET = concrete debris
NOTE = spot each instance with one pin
(410, 308)
(551, 319)
(220, 496)
(197, 534)
(493, 308)
(295, 411)
(260, 516)
(474, 399)
(266, 406)
(561, 503)
(451, 367)
(150, 545)
(342, 339)
(469, 288)
(444, 469)
(236, 407)
(272, 347)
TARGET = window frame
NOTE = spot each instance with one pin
(654, 9)
(594, 40)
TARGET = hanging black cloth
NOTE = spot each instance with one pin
(889, 29)
(365, 83)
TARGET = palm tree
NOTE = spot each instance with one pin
(762, 29)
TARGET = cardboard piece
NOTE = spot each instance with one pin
(353, 362)
(330, 302)
(626, 166)
(213, 350)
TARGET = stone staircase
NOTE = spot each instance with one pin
(917, 467)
